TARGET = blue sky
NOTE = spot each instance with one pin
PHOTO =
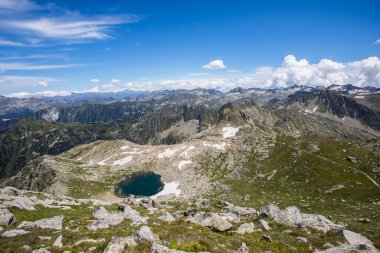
(72, 45)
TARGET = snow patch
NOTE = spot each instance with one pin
(103, 162)
(183, 163)
(229, 132)
(167, 153)
(169, 188)
(122, 161)
(359, 96)
(313, 111)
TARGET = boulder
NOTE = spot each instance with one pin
(356, 239)
(301, 239)
(246, 228)
(243, 248)
(55, 223)
(146, 234)
(292, 216)
(167, 217)
(264, 224)
(58, 242)
(6, 217)
(100, 213)
(158, 248)
(220, 222)
(347, 248)
(119, 244)
(133, 215)
(14, 232)
(42, 250)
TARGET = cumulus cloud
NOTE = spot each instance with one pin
(326, 72)
(215, 64)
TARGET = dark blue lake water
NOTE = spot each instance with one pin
(140, 184)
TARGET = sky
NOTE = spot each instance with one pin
(57, 47)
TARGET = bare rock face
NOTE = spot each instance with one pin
(55, 223)
(6, 217)
(293, 217)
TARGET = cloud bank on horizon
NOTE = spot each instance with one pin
(50, 47)
(326, 72)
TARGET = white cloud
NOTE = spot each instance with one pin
(37, 22)
(23, 81)
(377, 41)
(43, 83)
(95, 80)
(11, 43)
(326, 72)
(234, 71)
(68, 29)
(40, 94)
(115, 81)
(109, 86)
(17, 5)
(264, 71)
(216, 64)
(4, 66)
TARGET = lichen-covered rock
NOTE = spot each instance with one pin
(55, 223)
(119, 244)
(347, 248)
(167, 217)
(293, 217)
(6, 217)
(133, 215)
(243, 248)
(146, 234)
(246, 228)
(356, 239)
(14, 232)
(264, 224)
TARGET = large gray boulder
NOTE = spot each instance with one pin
(239, 210)
(293, 217)
(105, 219)
(146, 234)
(119, 244)
(133, 215)
(356, 239)
(246, 228)
(14, 232)
(347, 248)
(6, 217)
(158, 248)
(220, 222)
(42, 250)
(55, 223)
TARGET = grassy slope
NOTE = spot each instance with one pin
(303, 178)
